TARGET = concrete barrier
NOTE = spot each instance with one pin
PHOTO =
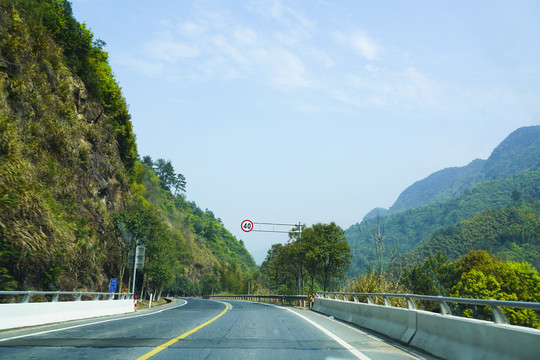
(31, 314)
(445, 336)
(452, 337)
(396, 323)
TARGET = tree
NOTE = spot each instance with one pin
(516, 196)
(327, 254)
(378, 235)
(179, 183)
(270, 267)
(287, 262)
(209, 284)
(486, 277)
(165, 172)
(148, 161)
(140, 225)
(478, 275)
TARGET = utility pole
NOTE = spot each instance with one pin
(299, 261)
(138, 263)
(248, 225)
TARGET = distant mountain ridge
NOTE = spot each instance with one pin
(519, 152)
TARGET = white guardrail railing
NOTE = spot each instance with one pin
(496, 306)
(439, 334)
(55, 295)
(30, 308)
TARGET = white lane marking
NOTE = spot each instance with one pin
(342, 342)
(94, 323)
(411, 354)
(407, 351)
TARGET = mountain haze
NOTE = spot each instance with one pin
(509, 177)
(520, 151)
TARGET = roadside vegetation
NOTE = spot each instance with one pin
(75, 196)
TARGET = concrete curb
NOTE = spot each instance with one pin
(445, 336)
(32, 314)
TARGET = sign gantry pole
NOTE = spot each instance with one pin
(248, 226)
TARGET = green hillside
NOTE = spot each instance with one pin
(511, 233)
(75, 196)
(519, 152)
(409, 229)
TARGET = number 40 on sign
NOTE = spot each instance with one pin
(247, 225)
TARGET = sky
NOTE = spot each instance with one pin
(317, 111)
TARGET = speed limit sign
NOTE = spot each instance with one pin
(247, 225)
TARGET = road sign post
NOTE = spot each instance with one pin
(138, 262)
(248, 225)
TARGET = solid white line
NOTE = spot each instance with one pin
(411, 354)
(407, 351)
(94, 323)
(342, 342)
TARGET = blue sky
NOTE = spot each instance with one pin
(318, 111)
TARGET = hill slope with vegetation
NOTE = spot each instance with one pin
(519, 152)
(510, 233)
(406, 230)
(75, 196)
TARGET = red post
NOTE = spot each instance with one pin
(135, 301)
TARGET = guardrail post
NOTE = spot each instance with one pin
(369, 300)
(96, 297)
(499, 317)
(345, 298)
(55, 297)
(410, 304)
(387, 301)
(445, 309)
(26, 298)
(356, 299)
(79, 296)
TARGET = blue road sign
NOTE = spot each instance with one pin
(112, 285)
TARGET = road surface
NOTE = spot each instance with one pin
(203, 329)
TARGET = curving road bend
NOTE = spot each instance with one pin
(203, 329)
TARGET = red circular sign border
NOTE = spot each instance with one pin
(242, 225)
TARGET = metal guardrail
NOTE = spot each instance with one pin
(281, 298)
(495, 305)
(55, 295)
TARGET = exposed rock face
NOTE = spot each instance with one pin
(61, 176)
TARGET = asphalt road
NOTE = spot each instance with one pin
(203, 329)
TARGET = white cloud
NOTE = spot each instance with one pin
(288, 71)
(245, 36)
(284, 14)
(391, 90)
(365, 46)
(210, 44)
(361, 43)
(167, 48)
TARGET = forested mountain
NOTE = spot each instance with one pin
(511, 175)
(510, 233)
(520, 151)
(75, 196)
